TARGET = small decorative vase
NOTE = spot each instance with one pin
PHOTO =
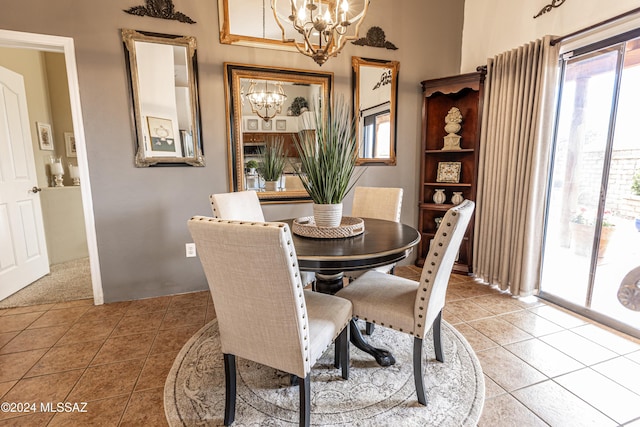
(271, 185)
(457, 198)
(327, 215)
(439, 197)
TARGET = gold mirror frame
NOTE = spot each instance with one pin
(386, 74)
(235, 76)
(180, 116)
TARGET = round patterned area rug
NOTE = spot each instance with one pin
(373, 396)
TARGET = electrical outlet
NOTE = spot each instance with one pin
(190, 250)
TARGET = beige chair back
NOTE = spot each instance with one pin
(241, 206)
(438, 265)
(377, 202)
(256, 289)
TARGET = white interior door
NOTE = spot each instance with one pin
(23, 249)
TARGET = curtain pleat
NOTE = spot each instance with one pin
(513, 166)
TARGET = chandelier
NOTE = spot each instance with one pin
(266, 103)
(323, 25)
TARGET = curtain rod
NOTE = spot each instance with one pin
(594, 26)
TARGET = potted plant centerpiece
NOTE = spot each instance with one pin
(273, 161)
(327, 162)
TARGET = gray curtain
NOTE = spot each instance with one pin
(515, 143)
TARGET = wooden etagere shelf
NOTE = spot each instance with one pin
(466, 92)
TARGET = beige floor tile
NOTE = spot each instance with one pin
(64, 316)
(65, 358)
(145, 409)
(467, 310)
(544, 358)
(608, 397)
(6, 386)
(499, 331)
(451, 318)
(506, 411)
(634, 356)
(148, 305)
(611, 340)
(105, 412)
(83, 331)
(497, 303)
(579, 348)
(559, 407)
(623, 371)
(491, 389)
(156, 370)
(74, 303)
(173, 339)
(18, 322)
(135, 324)
(102, 381)
(42, 389)
(477, 340)
(531, 323)
(184, 316)
(529, 302)
(13, 366)
(34, 420)
(30, 339)
(558, 316)
(193, 299)
(5, 337)
(507, 370)
(23, 310)
(124, 348)
(105, 311)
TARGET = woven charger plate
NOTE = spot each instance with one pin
(349, 227)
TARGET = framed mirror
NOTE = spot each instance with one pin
(252, 124)
(164, 91)
(375, 100)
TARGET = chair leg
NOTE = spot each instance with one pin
(418, 375)
(230, 388)
(305, 401)
(341, 353)
(369, 327)
(437, 337)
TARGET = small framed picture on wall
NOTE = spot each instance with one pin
(45, 136)
(70, 144)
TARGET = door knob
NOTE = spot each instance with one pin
(34, 190)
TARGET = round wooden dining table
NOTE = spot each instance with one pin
(382, 242)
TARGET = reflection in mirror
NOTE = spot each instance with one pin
(164, 90)
(375, 84)
(251, 124)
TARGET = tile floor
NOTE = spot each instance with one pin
(543, 366)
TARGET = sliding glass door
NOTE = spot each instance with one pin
(592, 244)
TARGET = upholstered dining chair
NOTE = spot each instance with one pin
(282, 326)
(378, 203)
(245, 206)
(409, 306)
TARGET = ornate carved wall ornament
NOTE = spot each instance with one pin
(375, 38)
(549, 7)
(160, 9)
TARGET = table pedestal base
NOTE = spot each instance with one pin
(332, 283)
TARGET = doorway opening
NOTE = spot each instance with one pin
(592, 236)
(65, 45)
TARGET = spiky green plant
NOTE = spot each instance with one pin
(273, 158)
(635, 186)
(328, 155)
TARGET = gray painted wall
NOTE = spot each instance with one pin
(141, 213)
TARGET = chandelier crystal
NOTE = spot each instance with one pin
(266, 103)
(323, 24)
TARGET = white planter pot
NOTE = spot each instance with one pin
(327, 215)
(271, 185)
